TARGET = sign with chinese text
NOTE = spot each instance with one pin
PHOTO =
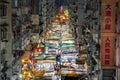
(108, 30)
(107, 49)
(108, 16)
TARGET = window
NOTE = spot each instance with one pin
(3, 52)
(15, 3)
(3, 10)
(3, 31)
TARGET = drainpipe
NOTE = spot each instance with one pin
(118, 42)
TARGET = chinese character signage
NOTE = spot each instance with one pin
(108, 30)
(107, 49)
(108, 16)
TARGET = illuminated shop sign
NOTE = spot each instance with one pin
(69, 41)
(52, 42)
(52, 50)
(67, 45)
(64, 39)
(40, 57)
(69, 56)
(44, 66)
(38, 49)
(69, 51)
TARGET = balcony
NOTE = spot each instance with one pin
(3, 2)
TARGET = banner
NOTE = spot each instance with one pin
(107, 49)
(108, 16)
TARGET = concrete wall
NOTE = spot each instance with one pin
(10, 37)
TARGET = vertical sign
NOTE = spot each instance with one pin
(108, 17)
(107, 49)
(108, 33)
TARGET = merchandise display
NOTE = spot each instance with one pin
(59, 54)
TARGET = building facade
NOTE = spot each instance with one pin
(5, 34)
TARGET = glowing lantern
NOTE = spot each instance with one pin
(39, 50)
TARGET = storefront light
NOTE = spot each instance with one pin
(66, 12)
(23, 60)
(24, 73)
(20, 76)
(39, 50)
(29, 74)
(22, 69)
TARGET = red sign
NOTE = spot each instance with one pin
(108, 17)
(41, 49)
(108, 29)
(107, 49)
